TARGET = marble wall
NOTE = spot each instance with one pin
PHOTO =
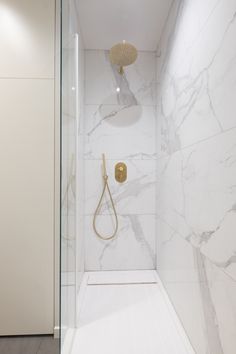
(120, 122)
(196, 170)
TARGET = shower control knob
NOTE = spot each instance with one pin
(120, 172)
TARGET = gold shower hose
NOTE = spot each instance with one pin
(105, 186)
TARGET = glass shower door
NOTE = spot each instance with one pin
(72, 264)
(68, 175)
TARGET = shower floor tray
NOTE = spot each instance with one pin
(127, 313)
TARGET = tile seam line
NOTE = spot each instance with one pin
(177, 234)
(197, 142)
(27, 78)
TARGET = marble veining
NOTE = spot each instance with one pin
(132, 225)
(200, 184)
(140, 236)
(134, 127)
(196, 170)
(135, 196)
(189, 95)
(124, 95)
(133, 248)
(212, 327)
(120, 121)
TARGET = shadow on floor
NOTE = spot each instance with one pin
(29, 345)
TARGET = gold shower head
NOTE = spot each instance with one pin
(123, 54)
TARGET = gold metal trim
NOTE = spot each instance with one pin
(121, 172)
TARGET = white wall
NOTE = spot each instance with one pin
(27, 166)
(121, 125)
(196, 170)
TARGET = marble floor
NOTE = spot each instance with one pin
(128, 313)
(29, 345)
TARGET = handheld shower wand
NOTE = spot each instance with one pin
(104, 166)
(105, 186)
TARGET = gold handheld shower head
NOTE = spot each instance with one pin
(105, 187)
(123, 54)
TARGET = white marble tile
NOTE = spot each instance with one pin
(68, 196)
(142, 78)
(133, 247)
(217, 28)
(135, 196)
(123, 132)
(175, 256)
(80, 248)
(196, 83)
(213, 56)
(100, 84)
(221, 249)
(137, 86)
(223, 293)
(121, 124)
(198, 180)
(176, 41)
(181, 268)
(68, 255)
(68, 144)
(187, 116)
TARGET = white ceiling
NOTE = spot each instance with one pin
(106, 22)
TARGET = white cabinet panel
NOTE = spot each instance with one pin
(27, 38)
(26, 206)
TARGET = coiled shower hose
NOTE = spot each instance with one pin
(105, 186)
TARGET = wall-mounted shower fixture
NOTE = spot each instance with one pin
(123, 54)
(121, 172)
(105, 186)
